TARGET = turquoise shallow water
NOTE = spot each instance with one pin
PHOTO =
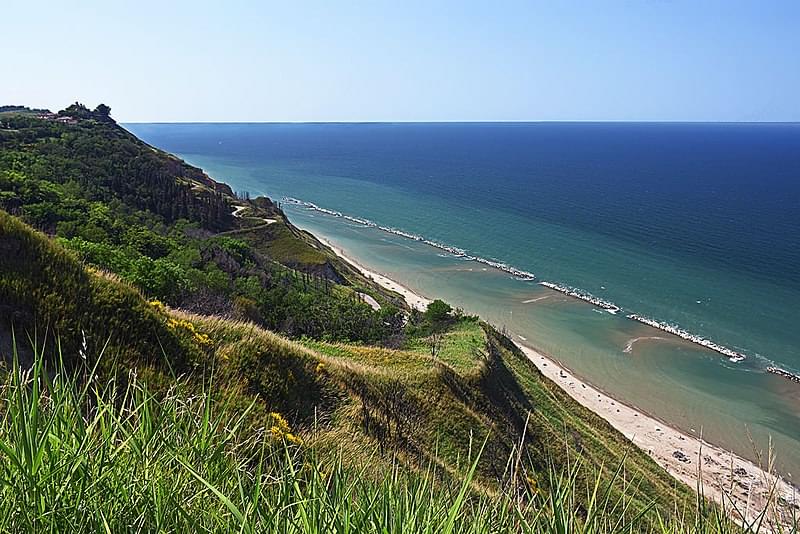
(687, 227)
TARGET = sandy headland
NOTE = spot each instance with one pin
(724, 477)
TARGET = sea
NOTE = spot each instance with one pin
(658, 261)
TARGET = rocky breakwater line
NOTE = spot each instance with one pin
(732, 355)
(784, 373)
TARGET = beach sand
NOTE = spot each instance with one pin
(723, 476)
(413, 299)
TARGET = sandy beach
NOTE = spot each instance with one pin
(412, 299)
(724, 477)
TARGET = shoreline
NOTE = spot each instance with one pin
(723, 476)
(734, 356)
(412, 298)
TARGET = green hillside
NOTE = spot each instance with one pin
(243, 346)
(169, 229)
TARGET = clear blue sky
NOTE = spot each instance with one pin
(406, 60)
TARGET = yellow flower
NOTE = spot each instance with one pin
(320, 368)
(189, 327)
(280, 430)
(279, 422)
(291, 438)
(157, 305)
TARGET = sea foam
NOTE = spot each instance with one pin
(784, 373)
(583, 295)
(455, 251)
(732, 355)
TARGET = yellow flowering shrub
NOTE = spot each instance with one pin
(280, 430)
(203, 339)
(188, 326)
(157, 305)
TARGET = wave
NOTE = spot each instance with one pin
(784, 373)
(733, 355)
(537, 299)
(455, 251)
(629, 346)
(610, 307)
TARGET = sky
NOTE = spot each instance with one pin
(198, 61)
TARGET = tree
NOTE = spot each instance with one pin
(102, 112)
(437, 312)
(77, 110)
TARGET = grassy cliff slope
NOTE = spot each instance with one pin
(358, 403)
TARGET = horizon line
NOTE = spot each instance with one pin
(513, 121)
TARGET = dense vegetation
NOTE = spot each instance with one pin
(168, 229)
(352, 404)
(153, 399)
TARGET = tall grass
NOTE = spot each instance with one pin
(78, 454)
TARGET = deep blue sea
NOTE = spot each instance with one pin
(692, 225)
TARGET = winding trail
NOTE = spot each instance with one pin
(237, 212)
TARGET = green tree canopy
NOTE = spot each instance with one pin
(438, 312)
